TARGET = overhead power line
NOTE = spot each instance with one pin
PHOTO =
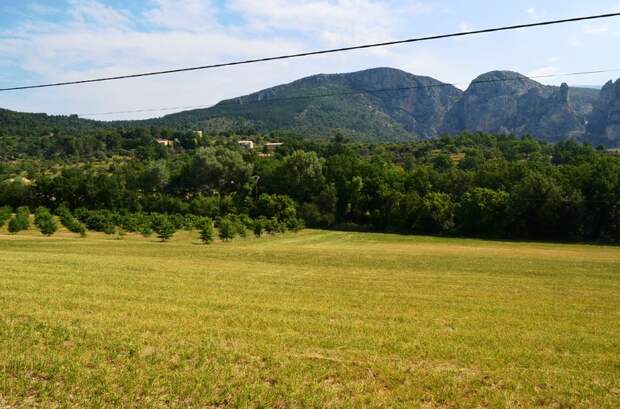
(320, 52)
(239, 102)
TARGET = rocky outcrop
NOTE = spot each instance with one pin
(604, 122)
(508, 102)
(418, 103)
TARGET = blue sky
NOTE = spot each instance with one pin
(60, 40)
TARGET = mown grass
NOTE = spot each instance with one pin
(315, 319)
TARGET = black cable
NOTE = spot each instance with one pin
(319, 52)
(238, 101)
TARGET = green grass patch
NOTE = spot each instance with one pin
(315, 319)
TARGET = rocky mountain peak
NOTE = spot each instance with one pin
(604, 123)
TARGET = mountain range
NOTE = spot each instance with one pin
(386, 104)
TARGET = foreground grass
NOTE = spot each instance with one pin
(316, 319)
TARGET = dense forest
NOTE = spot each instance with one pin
(474, 185)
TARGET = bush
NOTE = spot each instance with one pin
(71, 223)
(21, 220)
(163, 227)
(47, 225)
(40, 213)
(272, 226)
(146, 231)
(206, 231)
(294, 224)
(97, 220)
(259, 226)
(5, 215)
(227, 229)
(44, 220)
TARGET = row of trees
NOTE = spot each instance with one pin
(163, 225)
(474, 185)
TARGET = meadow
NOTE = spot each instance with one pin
(314, 319)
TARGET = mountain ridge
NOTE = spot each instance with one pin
(387, 104)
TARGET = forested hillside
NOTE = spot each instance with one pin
(472, 185)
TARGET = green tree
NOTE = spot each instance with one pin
(5, 214)
(206, 231)
(436, 213)
(483, 212)
(48, 225)
(163, 227)
(259, 226)
(227, 229)
(21, 220)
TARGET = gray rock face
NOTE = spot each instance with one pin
(508, 102)
(418, 103)
(604, 122)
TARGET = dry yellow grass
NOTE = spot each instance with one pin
(316, 319)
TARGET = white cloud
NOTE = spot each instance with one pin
(186, 15)
(92, 12)
(535, 14)
(544, 71)
(596, 29)
(341, 22)
(464, 27)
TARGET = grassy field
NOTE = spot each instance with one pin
(315, 319)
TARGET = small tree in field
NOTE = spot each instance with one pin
(164, 228)
(14, 225)
(21, 220)
(45, 221)
(47, 225)
(259, 227)
(206, 231)
(227, 229)
(5, 214)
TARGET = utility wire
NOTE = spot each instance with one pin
(320, 52)
(240, 102)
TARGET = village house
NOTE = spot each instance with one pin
(246, 144)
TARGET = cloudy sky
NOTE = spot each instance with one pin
(61, 40)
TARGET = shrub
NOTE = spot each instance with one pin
(21, 220)
(272, 226)
(177, 220)
(206, 231)
(146, 231)
(227, 229)
(71, 223)
(5, 215)
(47, 225)
(163, 227)
(259, 226)
(191, 222)
(44, 220)
(97, 220)
(294, 224)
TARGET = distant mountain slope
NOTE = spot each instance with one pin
(508, 102)
(386, 104)
(21, 122)
(377, 104)
(604, 123)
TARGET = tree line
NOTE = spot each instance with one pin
(476, 185)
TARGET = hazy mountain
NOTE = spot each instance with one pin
(604, 122)
(508, 102)
(376, 104)
(385, 104)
